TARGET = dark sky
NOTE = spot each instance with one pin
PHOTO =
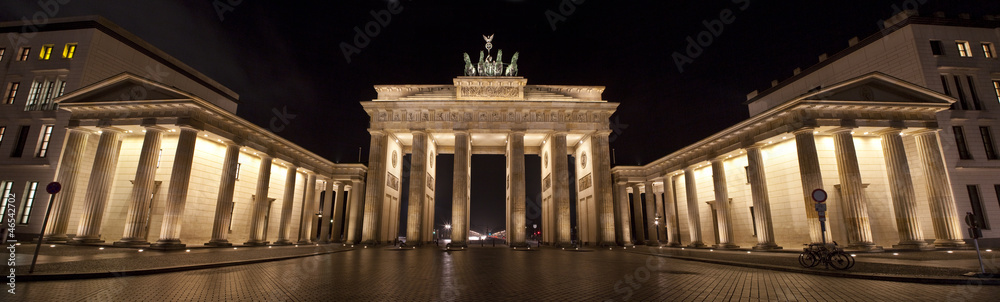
(289, 55)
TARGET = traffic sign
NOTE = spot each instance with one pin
(819, 195)
(53, 187)
(820, 207)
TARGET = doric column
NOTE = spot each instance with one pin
(661, 227)
(308, 219)
(515, 235)
(142, 190)
(694, 220)
(943, 213)
(355, 211)
(73, 152)
(651, 215)
(286, 205)
(722, 205)
(904, 201)
(603, 195)
(560, 191)
(761, 201)
(852, 192)
(99, 188)
(460, 189)
(224, 202)
(637, 221)
(180, 178)
(812, 179)
(624, 223)
(338, 214)
(375, 187)
(258, 214)
(327, 216)
(418, 183)
(670, 207)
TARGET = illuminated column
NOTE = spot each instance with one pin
(180, 178)
(76, 145)
(515, 234)
(722, 205)
(859, 232)
(375, 187)
(812, 179)
(761, 201)
(637, 221)
(338, 214)
(418, 184)
(694, 221)
(560, 191)
(142, 189)
(224, 203)
(99, 188)
(662, 227)
(603, 194)
(460, 189)
(308, 210)
(284, 228)
(327, 216)
(651, 215)
(944, 215)
(670, 207)
(624, 223)
(260, 203)
(904, 201)
(355, 213)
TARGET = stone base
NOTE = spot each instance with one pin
(697, 245)
(674, 244)
(945, 243)
(58, 238)
(131, 243)
(84, 241)
(918, 246)
(304, 242)
(283, 242)
(862, 247)
(653, 243)
(256, 243)
(168, 245)
(766, 247)
(728, 246)
(219, 243)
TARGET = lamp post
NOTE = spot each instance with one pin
(656, 222)
(448, 227)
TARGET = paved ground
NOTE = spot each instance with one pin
(491, 274)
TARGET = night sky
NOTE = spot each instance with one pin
(289, 56)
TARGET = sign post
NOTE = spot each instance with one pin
(819, 195)
(975, 233)
(52, 188)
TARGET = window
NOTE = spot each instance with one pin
(963, 150)
(947, 91)
(988, 50)
(22, 137)
(2, 51)
(747, 170)
(46, 52)
(42, 92)
(5, 187)
(43, 147)
(963, 49)
(11, 93)
(936, 48)
(2, 130)
(963, 103)
(238, 171)
(991, 151)
(996, 89)
(977, 207)
(29, 200)
(69, 50)
(25, 51)
(975, 96)
(753, 220)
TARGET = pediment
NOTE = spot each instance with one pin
(879, 88)
(123, 88)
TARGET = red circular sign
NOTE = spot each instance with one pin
(53, 187)
(819, 195)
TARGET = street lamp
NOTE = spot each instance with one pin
(657, 223)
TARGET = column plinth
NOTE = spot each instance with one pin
(722, 205)
(224, 201)
(855, 205)
(180, 177)
(142, 190)
(944, 215)
(75, 147)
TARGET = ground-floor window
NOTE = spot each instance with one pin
(977, 207)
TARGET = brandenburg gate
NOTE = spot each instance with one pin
(490, 110)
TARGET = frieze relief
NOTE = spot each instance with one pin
(491, 92)
(489, 116)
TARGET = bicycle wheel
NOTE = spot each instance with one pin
(841, 260)
(808, 259)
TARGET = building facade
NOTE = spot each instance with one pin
(143, 144)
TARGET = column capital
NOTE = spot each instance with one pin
(804, 130)
(154, 128)
(109, 128)
(889, 130)
(841, 129)
(925, 131)
(604, 132)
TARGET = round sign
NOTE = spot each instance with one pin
(53, 187)
(819, 195)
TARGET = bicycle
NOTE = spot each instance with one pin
(829, 256)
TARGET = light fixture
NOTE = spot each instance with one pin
(100, 248)
(187, 251)
(140, 250)
(143, 131)
(950, 252)
(784, 137)
(866, 132)
(52, 245)
(895, 254)
(815, 132)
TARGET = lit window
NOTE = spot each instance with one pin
(936, 48)
(238, 170)
(69, 50)
(159, 157)
(988, 50)
(6, 186)
(42, 94)
(977, 207)
(2, 51)
(996, 88)
(963, 49)
(963, 149)
(991, 152)
(11, 93)
(46, 52)
(2, 130)
(43, 147)
(29, 200)
(24, 54)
